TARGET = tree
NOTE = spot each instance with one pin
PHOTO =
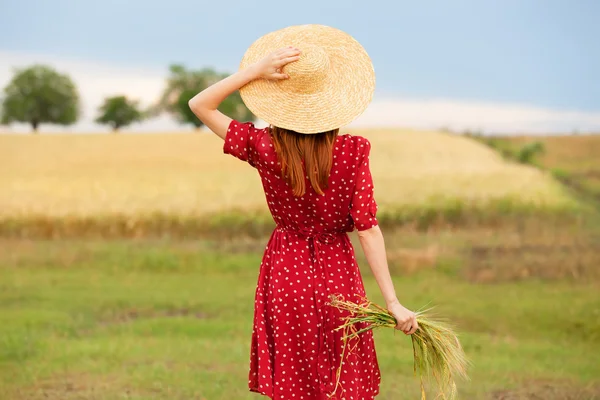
(118, 112)
(39, 94)
(528, 152)
(183, 84)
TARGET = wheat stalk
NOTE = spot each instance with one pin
(437, 351)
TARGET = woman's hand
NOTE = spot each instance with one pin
(406, 319)
(205, 104)
(270, 66)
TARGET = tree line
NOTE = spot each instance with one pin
(40, 94)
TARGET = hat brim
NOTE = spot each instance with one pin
(344, 95)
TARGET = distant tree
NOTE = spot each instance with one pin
(183, 84)
(118, 112)
(39, 94)
(528, 152)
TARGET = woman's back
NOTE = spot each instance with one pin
(309, 257)
(297, 347)
(347, 201)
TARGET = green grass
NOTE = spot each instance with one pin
(434, 214)
(159, 319)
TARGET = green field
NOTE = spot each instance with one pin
(165, 312)
(172, 320)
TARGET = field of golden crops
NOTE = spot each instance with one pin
(576, 158)
(187, 174)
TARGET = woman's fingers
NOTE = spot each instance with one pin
(288, 53)
(284, 49)
(409, 326)
(406, 320)
(414, 329)
(284, 56)
(399, 323)
(279, 76)
(414, 326)
(286, 60)
(404, 326)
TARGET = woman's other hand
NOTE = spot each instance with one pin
(406, 319)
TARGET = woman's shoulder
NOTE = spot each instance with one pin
(249, 131)
(247, 126)
(356, 142)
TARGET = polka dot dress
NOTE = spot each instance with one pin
(295, 352)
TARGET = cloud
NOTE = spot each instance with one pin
(483, 116)
(97, 81)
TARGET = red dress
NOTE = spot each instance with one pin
(295, 352)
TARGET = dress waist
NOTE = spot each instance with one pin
(325, 237)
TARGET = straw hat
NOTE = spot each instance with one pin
(329, 86)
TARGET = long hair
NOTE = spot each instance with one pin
(299, 153)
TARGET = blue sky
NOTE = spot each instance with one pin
(532, 54)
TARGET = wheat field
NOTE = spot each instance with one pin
(93, 314)
(188, 174)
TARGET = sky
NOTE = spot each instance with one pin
(510, 66)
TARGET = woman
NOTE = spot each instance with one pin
(307, 81)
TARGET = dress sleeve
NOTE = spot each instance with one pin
(364, 207)
(240, 141)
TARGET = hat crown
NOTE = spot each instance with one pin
(330, 85)
(309, 73)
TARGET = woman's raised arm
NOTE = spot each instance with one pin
(204, 105)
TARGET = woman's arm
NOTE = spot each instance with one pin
(204, 105)
(373, 246)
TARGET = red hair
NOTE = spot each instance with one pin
(298, 152)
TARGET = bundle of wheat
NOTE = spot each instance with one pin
(437, 351)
